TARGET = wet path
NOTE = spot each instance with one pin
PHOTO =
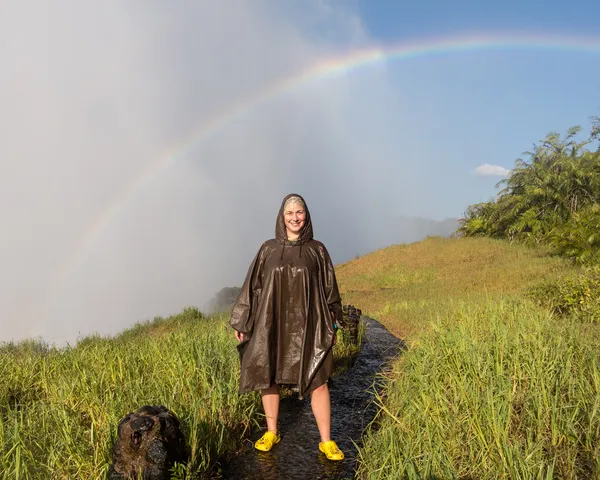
(352, 407)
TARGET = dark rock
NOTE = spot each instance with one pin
(148, 443)
(351, 319)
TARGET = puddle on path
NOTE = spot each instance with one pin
(297, 456)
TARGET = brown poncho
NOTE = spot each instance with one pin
(285, 307)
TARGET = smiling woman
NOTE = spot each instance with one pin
(286, 322)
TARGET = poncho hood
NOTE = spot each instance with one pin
(306, 233)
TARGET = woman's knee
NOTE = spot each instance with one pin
(273, 389)
(320, 389)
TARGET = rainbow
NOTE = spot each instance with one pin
(321, 70)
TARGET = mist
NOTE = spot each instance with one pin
(94, 97)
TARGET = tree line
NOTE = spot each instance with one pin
(552, 197)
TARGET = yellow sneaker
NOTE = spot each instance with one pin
(266, 442)
(331, 450)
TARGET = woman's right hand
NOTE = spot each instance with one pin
(240, 336)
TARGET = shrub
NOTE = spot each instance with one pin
(577, 294)
(579, 239)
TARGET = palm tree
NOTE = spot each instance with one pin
(554, 187)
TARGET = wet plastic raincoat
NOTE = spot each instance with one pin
(285, 308)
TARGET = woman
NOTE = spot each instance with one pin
(285, 319)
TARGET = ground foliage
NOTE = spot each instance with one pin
(551, 196)
(495, 390)
(493, 385)
(404, 286)
(576, 295)
(60, 407)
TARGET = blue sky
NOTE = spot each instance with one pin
(471, 108)
(394, 20)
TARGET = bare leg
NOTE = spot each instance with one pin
(321, 407)
(270, 401)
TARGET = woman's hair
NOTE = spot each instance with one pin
(292, 200)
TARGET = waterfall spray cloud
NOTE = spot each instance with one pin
(93, 96)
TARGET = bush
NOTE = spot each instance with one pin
(577, 295)
(579, 239)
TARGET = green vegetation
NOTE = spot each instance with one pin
(576, 295)
(495, 390)
(59, 408)
(494, 385)
(405, 286)
(552, 197)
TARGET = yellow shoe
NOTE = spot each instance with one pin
(331, 450)
(266, 442)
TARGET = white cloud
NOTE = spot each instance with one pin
(487, 170)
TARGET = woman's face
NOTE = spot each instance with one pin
(294, 217)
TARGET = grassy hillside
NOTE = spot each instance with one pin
(405, 286)
(493, 386)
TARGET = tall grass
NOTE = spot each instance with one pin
(494, 390)
(59, 408)
(492, 386)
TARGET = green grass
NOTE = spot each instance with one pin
(494, 390)
(405, 285)
(59, 408)
(492, 386)
(345, 349)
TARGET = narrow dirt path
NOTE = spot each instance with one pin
(298, 456)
